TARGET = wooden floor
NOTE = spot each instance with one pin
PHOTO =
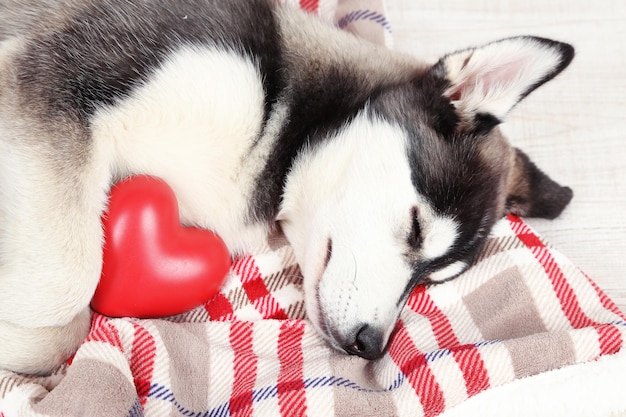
(574, 128)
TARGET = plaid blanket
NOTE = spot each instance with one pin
(521, 310)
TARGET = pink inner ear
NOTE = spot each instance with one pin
(505, 74)
(454, 94)
(487, 77)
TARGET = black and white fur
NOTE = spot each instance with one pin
(382, 171)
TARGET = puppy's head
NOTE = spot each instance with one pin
(408, 190)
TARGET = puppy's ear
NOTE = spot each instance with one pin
(483, 84)
(532, 193)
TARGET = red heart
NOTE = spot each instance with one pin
(152, 266)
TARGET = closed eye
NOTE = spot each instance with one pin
(415, 235)
(329, 252)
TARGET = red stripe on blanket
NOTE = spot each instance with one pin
(291, 390)
(610, 339)
(414, 366)
(604, 299)
(474, 372)
(310, 5)
(256, 290)
(102, 330)
(245, 368)
(420, 302)
(219, 308)
(564, 291)
(142, 361)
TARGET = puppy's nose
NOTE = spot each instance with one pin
(367, 344)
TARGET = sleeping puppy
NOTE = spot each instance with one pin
(382, 171)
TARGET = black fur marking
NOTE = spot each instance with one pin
(442, 115)
(99, 58)
(484, 123)
(458, 184)
(329, 252)
(415, 238)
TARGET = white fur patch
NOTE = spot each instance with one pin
(439, 237)
(50, 229)
(201, 110)
(448, 272)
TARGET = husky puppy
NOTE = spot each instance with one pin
(382, 171)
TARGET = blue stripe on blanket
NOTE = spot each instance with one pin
(365, 14)
(163, 393)
(136, 410)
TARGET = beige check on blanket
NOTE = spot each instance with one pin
(521, 310)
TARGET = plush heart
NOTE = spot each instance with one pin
(152, 266)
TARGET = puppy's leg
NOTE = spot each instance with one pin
(41, 350)
(53, 189)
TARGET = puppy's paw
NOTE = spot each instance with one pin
(41, 350)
